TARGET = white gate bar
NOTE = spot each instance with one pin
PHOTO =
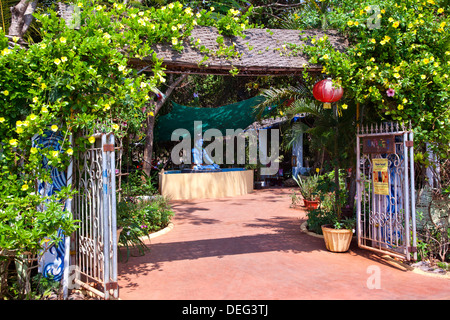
(413, 194)
(406, 188)
(67, 238)
(106, 225)
(113, 218)
(358, 191)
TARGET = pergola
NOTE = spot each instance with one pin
(263, 52)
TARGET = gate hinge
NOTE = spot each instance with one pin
(409, 143)
(108, 147)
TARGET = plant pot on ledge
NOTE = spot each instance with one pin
(311, 204)
(336, 240)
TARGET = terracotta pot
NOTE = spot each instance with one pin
(311, 204)
(336, 240)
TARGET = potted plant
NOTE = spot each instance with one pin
(339, 231)
(308, 190)
(338, 236)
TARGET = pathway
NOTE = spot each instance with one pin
(251, 247)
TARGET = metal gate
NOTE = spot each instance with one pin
(386, 221)
(95, 206)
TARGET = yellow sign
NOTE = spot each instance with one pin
(380, 176)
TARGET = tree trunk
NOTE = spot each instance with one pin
(148, 148)
(150, 123)
(21, 17)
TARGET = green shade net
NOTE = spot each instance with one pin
(233, 116)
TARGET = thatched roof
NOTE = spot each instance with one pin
(261, 52)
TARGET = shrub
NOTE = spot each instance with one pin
(139, 218)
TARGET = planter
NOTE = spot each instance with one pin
(311, 204)
(336, 240)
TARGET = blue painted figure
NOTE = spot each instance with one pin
(199, 154)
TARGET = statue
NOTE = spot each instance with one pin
(198, 154)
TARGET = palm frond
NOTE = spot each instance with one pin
(277, 96)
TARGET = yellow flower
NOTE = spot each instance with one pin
(55, 154)
(19, 130)
(174, 41)
(404, 100)
(35, 99)
(69, 151)
(54, 128)
(33, 150)
(32, 116)
(91, 139)
(63, 59)
(356, 23)
(400, 107)
(6, 92)
(152, 114)
(326, 57)
(5, 51)
(44, 110)
(43, 86)
(426, 60)
(350, 23)
(383, 11)
(373, 40)
(13, 142)
(344, 106)
(2, 119)
(62, 40)
(56, 61)
(396, 75)
(317, 170)
(396, 24)
(115, 126)
(423, 76)
(440, 10)
(19, 123)
(24, 187)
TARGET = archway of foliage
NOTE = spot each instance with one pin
(397, 65)
(77, 79)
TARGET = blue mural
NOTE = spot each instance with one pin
(52, 262)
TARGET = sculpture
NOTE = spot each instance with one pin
(199, 154)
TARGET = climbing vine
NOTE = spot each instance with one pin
(397, 64)
(77, 79)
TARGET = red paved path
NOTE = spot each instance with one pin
(251, 247)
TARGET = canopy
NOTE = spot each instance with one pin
(233, 116)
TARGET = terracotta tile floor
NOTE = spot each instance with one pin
(251, 247)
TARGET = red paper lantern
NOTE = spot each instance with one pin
(327, 93)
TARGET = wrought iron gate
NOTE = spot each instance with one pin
(386, 221)
(95, 206)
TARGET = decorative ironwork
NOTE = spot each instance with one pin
(94, 206)
(386, 222)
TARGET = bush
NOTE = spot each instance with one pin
(319, 217)
(139, 218)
